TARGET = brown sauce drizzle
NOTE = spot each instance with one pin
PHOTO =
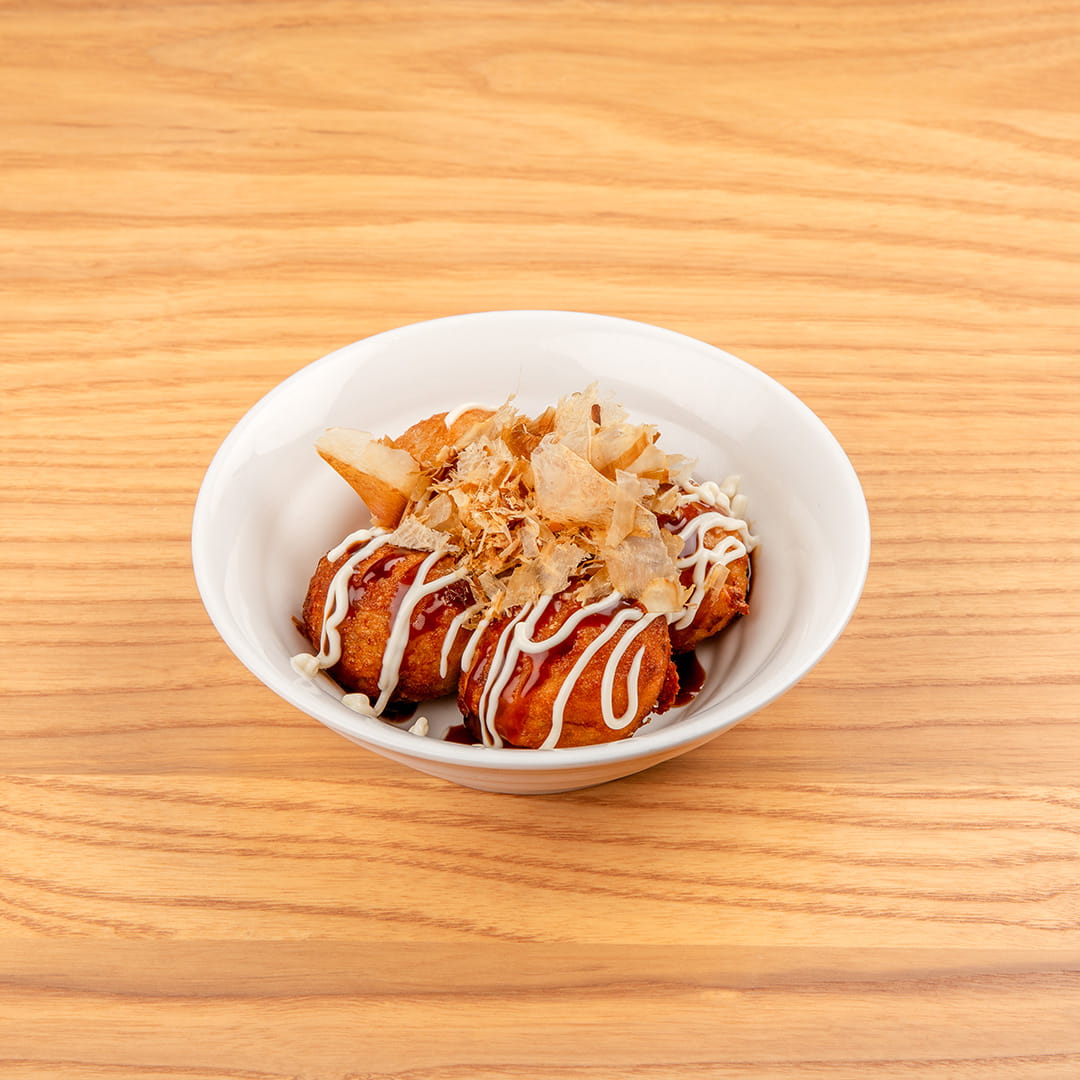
(426, 614)
(691, 677)
(681, 515)
(383, 566)
(432, 614)
(460, 733)
(533, 668)
(399, 710)
(455, 596)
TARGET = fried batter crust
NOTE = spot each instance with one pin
(524, 716)
(428, 440)
(375, 590)
(720, 604)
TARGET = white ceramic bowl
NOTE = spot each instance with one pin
(269, 507)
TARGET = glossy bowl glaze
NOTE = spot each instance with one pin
(269, 507)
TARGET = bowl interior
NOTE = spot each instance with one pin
(270, 507)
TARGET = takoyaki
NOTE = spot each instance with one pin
(561, 673)
(714, 568)
(386, 621)
(546, 568)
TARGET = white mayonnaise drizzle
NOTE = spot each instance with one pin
(470, 645)
(517, 638)
(456, 414)
(617, 723)
(608, 678)
(336, 608)
(728, 507)
(724, 498)
(499, 671)
(452, 631)
(360, 703)
(399, 630)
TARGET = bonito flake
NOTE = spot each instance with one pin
(533, 506)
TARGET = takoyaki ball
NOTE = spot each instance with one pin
(378, 589)
(430, 441)
(523, 703)
(725, 599)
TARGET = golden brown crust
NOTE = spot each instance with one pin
(430, 442)
(719, 607)
(524, 716)
(724, 601)
(375, 589)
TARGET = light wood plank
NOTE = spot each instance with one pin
(877, 204)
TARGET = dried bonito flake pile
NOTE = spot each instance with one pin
(528, 506)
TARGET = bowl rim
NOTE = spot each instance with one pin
(661, 743)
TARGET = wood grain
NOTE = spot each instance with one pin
(877, 204)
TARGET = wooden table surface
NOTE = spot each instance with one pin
(878, 204)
